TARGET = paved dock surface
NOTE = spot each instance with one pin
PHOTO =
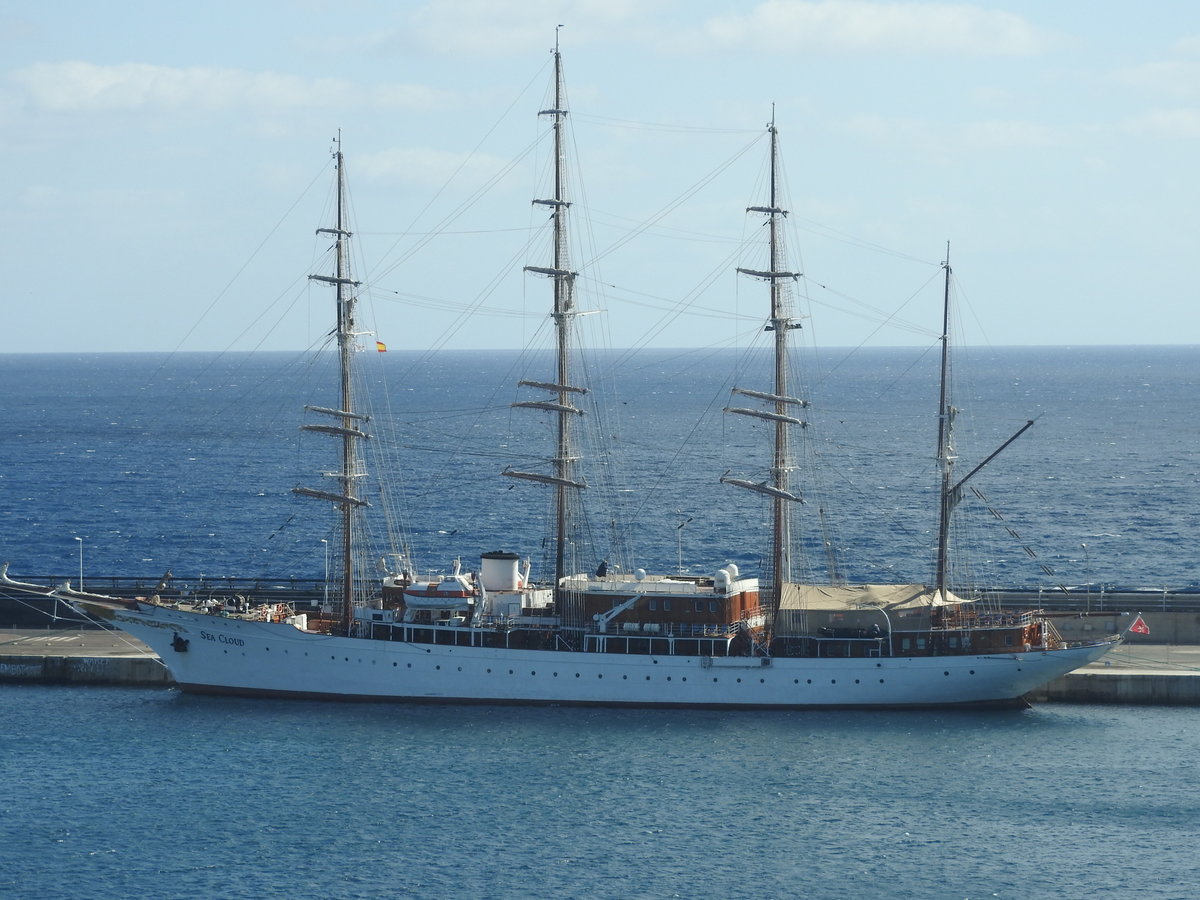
(61, 642)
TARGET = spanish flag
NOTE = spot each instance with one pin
(381, 346)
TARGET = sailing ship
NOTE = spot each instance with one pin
(608, 637)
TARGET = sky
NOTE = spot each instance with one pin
(167, 164)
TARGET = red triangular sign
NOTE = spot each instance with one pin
(1139, 626)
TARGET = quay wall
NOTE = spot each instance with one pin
(97, 670)
(1135, 689)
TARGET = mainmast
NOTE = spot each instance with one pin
(780, 404)
(565, 479)
(346, 420)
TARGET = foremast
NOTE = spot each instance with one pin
(565, 480)
(346, 423)
(779, 407)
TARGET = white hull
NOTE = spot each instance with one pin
(235, 656)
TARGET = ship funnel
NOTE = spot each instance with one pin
(498, 571)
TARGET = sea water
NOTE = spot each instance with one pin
(113, 793)
(187, 462)
(135, 464)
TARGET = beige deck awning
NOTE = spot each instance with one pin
(863, 596)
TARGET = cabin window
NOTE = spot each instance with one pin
(699, 606)
(952, 642)
(905, 644)
(714, 606)
(653, 607)
(666, 604)
(920, 643)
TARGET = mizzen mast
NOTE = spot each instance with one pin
(345, 422)
(779, 406)
(945, 445)
(565, 480)
(951, 492)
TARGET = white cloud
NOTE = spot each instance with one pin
(1172, 124)
(861, 26)
(928, 136)
(1189, 44)
(1180, 78)
(423, 166)
(503, 27)
(88, 87)
(1009, 135)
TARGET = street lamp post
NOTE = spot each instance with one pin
(679, 541)
(80, 562)
(1087, 576)
(325, 601)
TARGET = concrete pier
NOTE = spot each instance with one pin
(1136, 673)
(62, 656)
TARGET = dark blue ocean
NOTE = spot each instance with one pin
(187, 462)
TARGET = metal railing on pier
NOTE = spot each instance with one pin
(302, 591)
